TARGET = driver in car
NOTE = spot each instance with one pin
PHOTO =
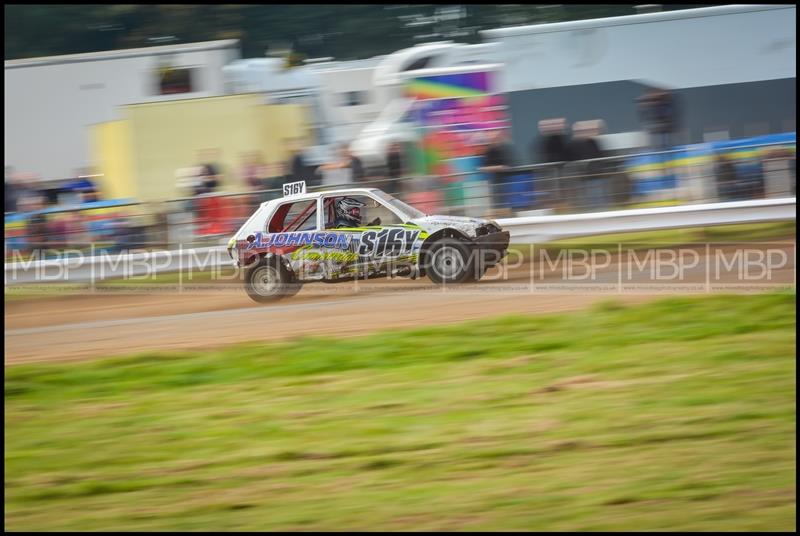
(348, 213)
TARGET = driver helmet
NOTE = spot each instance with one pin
(349, 210)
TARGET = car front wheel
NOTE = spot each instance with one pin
(448, 261)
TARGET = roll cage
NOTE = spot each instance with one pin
(275, 215)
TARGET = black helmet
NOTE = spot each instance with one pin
(349, 210)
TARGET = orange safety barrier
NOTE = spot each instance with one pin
(213, 216)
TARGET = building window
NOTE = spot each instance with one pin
(420, 63)
(354, 98)
(176, 80)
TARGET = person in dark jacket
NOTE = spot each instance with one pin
(12, 192)
(659, 113)
(727, 178)
(356, 165)
(395, 169)
(551, 148)
(583, 151)
(347, 169)
(210, 178)
(552, 143)
(498, 163)
(301, 171)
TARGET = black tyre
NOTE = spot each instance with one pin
(483, 260)
(449, 261)
(292, 288)
(269, 281)
(477, 270)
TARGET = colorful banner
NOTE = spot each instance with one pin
(661, 172)
(450, 86)
(454, 114)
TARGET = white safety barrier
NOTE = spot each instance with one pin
(544, 228)
(524, 230)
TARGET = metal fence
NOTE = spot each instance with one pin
(616, 182)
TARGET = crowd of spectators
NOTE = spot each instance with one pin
(577, 154)
(26, 192)
(570, 172)
(56, 214)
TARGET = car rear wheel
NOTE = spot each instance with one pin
(269, 281)
(448, 261)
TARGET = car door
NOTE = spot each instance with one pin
(290, 232)
(335, 250)
(380, 244)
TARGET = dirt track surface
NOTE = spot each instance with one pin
(208, 316)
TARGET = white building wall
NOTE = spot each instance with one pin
(345, 120)
(50, 102)
(676, 49)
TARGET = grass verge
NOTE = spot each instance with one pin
(678, 414)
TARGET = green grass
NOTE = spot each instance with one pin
(738, 233)
(678, 414)
(656, 204)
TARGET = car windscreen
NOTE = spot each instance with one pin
(405, 208)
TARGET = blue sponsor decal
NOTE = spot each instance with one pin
(321, 239)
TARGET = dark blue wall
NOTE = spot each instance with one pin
(745, 109)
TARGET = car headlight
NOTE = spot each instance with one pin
(232, 248)
(487, 228)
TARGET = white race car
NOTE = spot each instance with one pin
(341, 235)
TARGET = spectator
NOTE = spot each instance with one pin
(277, 175)
(659, 113)
(11, 192)
(497, 162)
(27, 191)
(395, 168)
(211, 173)
(553, 142)
(50, 190)
(583, 152)
(299, 169)
(36, 227)
(727, 178)
(187, 180)
(354, 162)
(346, 169)
(254, 171)
(552, 148)
(209, 178)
